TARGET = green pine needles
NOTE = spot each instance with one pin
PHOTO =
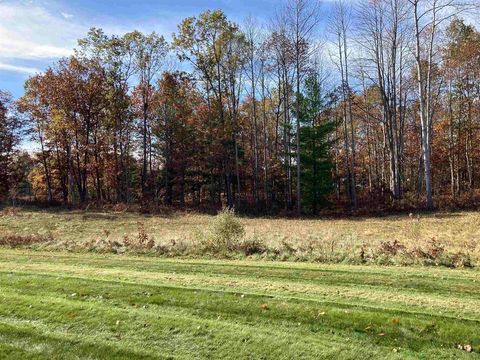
(316, 141)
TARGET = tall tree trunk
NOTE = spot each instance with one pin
(297, 135)
(45, 165)
(424, 91)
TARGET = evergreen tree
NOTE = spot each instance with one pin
(315, 146)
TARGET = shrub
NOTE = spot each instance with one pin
(252, 246)
(391, 248)
(461, 260)
(432, 252)
(225, 232)
(101, 246)
(141, 243)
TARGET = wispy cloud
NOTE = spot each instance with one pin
(66, 15)
(34, 30)
(19, 69)
(29, 31)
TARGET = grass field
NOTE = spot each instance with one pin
(64, 297)
(354, 240)
(71, 306)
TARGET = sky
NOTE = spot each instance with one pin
(36, 33)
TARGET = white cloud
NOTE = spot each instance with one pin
(66, 15)
(34, 33)
(29, 31)
(19, 69)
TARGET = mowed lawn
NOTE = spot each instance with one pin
(89, 306)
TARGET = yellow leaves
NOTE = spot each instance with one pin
(57, 120)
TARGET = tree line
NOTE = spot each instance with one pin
(264, 117)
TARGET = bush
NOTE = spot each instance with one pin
(225, 232)
(433, 251)
(391, 248)
(252, 246)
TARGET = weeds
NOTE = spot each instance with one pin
(23, 240)
(391, 248)
(442, 240)
(433, 253)
(142, 242)
(10, 211)
(252, 246)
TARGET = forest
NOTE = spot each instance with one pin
(298, 185)
(375, 106)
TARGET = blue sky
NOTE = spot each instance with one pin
(35, 33)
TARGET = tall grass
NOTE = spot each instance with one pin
(439, 239)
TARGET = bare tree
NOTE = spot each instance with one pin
(384, 34)
(340, 25)
(149, 56)
(428, 18)
(302, 17)
(251, 32)
(280, 48)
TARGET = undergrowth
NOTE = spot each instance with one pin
(225, 237)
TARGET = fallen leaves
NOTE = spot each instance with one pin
(466, 347)
(71, 315)
(264, 306)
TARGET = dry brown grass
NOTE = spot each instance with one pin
(23, 240)
(326, 240)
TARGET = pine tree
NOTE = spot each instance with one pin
(315, 146)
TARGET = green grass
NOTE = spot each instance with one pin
(89, 306)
